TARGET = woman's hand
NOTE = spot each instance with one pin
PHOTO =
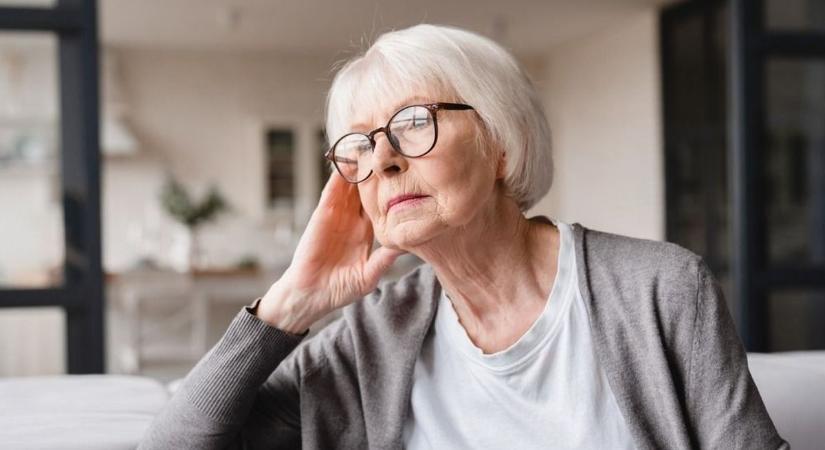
(333, 264)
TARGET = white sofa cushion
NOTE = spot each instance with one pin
(113, 411)
(792, 385)
(77, 411)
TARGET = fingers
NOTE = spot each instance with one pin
(334, 183)
(333, 199)
(340, 194)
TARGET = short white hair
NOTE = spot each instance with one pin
(468, 67)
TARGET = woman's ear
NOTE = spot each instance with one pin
(501, 166)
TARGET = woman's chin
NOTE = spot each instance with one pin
(409, 235)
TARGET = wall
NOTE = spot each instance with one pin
(201, 117)
(603, 103)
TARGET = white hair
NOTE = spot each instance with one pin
(466, 67)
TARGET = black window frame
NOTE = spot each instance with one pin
(750, 46)
(74, 23)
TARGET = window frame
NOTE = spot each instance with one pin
(750, 46)
(81, 296)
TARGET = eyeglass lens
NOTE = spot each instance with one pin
(411, 131)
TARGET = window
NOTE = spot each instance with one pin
(31, 234)
(78, 287)
(280, 150)
(694, 45)
(749, 193)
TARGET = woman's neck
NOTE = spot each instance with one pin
(497, 270)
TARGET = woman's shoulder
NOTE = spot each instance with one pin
(636, 258)
(666, 272)
(609, 247)
(646, 290)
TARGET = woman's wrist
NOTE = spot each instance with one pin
(286, 309)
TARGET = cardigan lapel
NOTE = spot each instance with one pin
(601, 342)
(613, 347)
(387, 381)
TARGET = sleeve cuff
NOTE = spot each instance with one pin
(253, 309)
(224, 381)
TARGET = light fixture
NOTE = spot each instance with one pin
(116, 137)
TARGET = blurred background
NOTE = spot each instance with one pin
(159, 158)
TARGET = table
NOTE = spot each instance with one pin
(149, 303)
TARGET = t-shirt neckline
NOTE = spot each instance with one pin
(545, 327)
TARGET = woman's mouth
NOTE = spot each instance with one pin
(405, 201)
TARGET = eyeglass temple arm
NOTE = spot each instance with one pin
(452, 106)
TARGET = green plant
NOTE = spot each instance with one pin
(180, 205)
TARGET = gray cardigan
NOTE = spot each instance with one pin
(660, 328)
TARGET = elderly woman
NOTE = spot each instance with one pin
(515, 333)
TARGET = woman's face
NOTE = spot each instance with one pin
(454, 178)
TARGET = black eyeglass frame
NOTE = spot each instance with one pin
(433, 108)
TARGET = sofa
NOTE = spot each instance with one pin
(112, 412)
(792, 385)
(87, 412)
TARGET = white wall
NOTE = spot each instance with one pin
(603, 103)
(201, 116)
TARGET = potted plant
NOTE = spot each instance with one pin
(180, 206)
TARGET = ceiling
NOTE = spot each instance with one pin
(327, 26)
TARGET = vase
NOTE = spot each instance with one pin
(185, 251)
(194, 254)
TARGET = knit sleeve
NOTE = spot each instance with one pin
(723, 401)
(211, 409)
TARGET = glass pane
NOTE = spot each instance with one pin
(280, 153)
(687, 105)
(795, 162)
(696, 141)
(796, 15)
(796, 320)
(31, 212)
(32, 341)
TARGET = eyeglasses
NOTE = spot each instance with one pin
(412, 132)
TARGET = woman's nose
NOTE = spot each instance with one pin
(385, 160)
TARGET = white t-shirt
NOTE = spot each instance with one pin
(546, 391)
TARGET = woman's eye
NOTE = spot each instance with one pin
(407, 124)
(413, 123)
